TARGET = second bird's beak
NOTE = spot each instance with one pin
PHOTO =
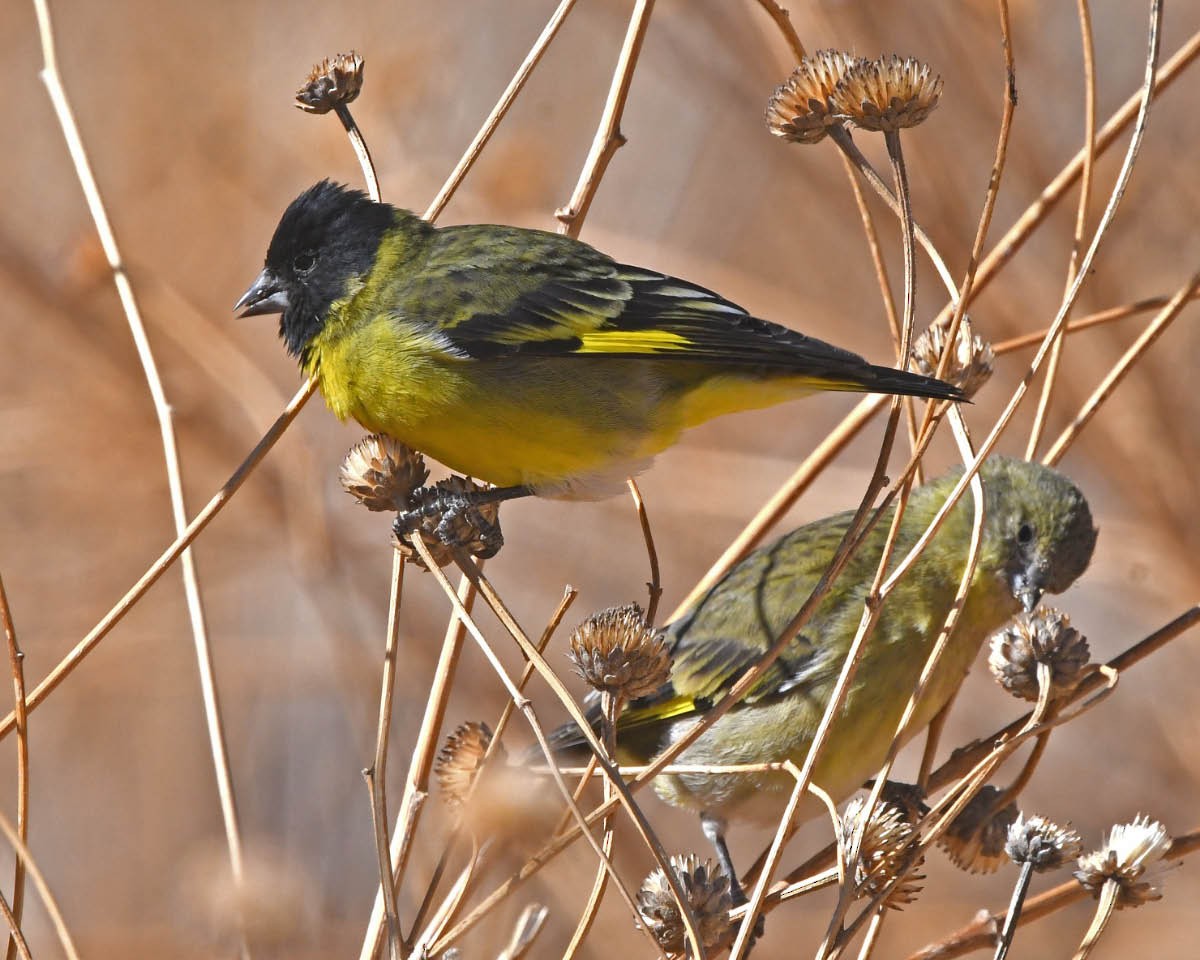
(1027, 591)
(265, 295)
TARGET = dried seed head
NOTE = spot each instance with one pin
(975, 840)
(333, 81)
(706, 886)
(1132, 859)
(971, 361)
(382, 473)
(1043, 636)
(887, 94)
(475, 528)
(1042, 844)
(884, 853)
(799, 108)
(908, 797)
(459, 761)
(618, 653)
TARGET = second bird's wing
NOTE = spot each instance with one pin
(727, 632)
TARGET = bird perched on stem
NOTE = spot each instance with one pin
(1037, 537)
(519, 357)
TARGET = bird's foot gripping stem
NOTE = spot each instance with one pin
(455, 513)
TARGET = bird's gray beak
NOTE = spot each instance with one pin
(265, 295)
(1027, 591)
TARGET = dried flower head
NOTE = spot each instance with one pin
(706, 886)
(908, 797)
(799, 109)
(887, 94)
(971, 362)
(460, 759)
(382, 473)
(885, 852)
(1044, 636)
(333, 81)
(618, 653)
(1042, 844)
(1132, 859)
(474, 528)
(975, 840)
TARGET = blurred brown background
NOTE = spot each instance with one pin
(186, 111)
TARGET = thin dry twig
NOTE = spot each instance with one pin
(654, 584)
(475, 575)
(1085, 194)
(16, 663)
(982, 932)
(214, 506)
(784, 23)
(484, 134)
(608, 137)
(43, 889)
(162, 409)
(416, 783)
(17, 942)
(376, 774)
(1143, 343)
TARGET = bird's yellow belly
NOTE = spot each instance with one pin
(560, 427)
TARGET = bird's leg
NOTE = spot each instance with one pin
(714, 828)
(449, 505)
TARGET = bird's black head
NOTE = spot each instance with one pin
(327, 238)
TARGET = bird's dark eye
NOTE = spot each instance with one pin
(1025, 535)
(304, 261)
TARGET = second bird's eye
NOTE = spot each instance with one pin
(1025, 534)
(304, 261)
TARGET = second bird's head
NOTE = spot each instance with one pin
(1039, 524)
(326, 241)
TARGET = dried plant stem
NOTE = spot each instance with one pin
(1020, 890)
(360, 149)
(872, 936)
(416, 783)
(980, 933)
(16, 664)
(608, 137)
(610, 709)
(932, 737)
(1041, 208)
(958, 303)
(834, 932)
(784, 23)
(840, 437)
(156, 570)
(885, 293)
(1121, 368)
(515, 85)
(17, 943)
(654, 584)
(1026, 340)
(845, 142)
(1085, 193)
(1104, 909)
(624, 795)
(376, 774)
(785, 497)
(162, 409)
(962, 760)
(569, 595)
(43, 889)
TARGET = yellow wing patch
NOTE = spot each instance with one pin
(632, 341)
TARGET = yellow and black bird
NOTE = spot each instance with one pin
(522, 358)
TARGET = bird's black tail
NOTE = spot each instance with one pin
(875, 379)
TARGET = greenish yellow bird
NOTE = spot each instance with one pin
(523, 358)
(1037, 537)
